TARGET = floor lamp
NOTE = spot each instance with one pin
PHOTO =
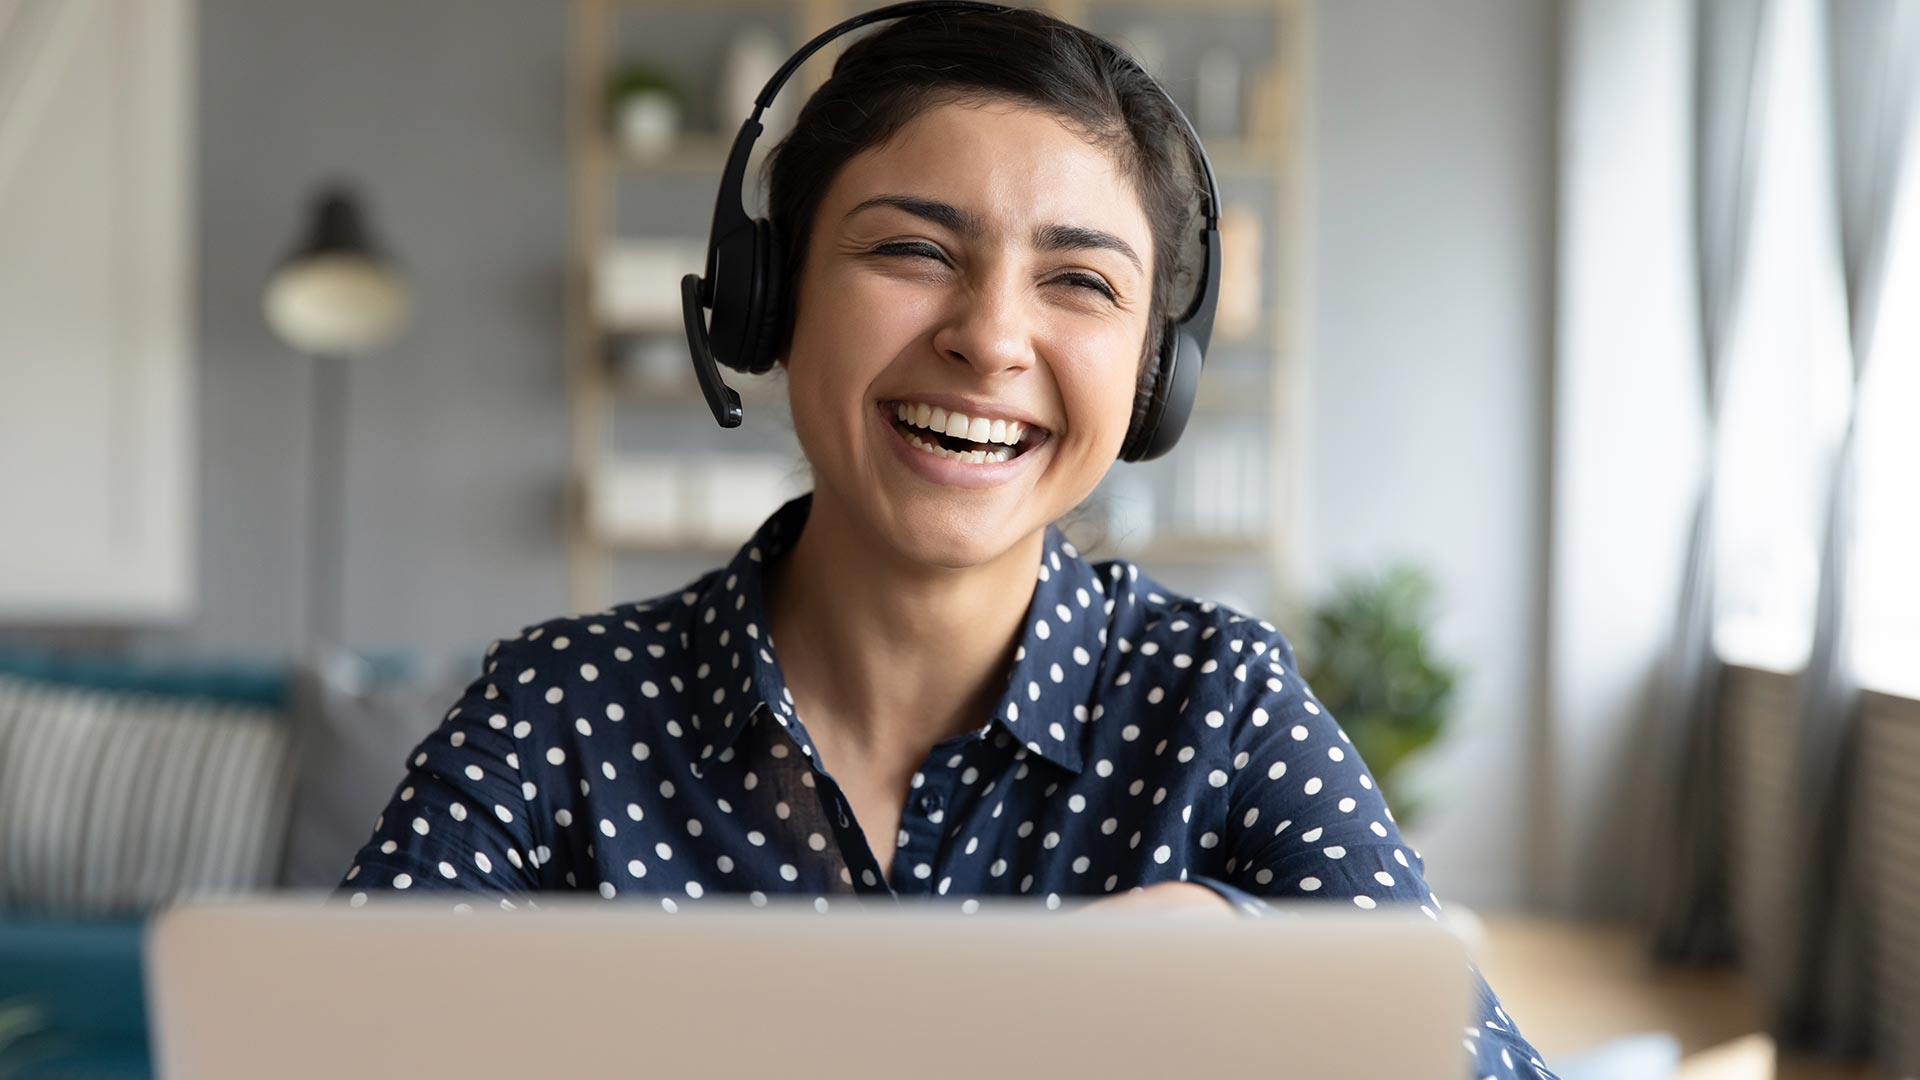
(335, 297)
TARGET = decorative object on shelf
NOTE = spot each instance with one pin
(637, 283)
(665, 501)
(1367, 659)
(645, 109)
(753, 56)
(1221, 86)
(653, 365)
(335, 297)
(1269, 113)
(1221, 494)
(1240, 285)
(637, 499)
(733, 493)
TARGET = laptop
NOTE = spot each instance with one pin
(286, 986)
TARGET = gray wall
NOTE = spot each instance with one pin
(1430, 271)
(451, 117)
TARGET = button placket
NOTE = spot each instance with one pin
(920, 828)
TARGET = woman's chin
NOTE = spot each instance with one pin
(955, 535)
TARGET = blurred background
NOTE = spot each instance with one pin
(1561, 411)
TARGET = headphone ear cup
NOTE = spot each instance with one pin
(1149, 396)
(769, 307)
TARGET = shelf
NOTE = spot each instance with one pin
(1245, 394)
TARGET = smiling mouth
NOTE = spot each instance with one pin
(928, 429)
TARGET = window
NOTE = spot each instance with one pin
(1787, 373)
(1885, 606)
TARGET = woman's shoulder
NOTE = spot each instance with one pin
(1150, 619)
(614, 660)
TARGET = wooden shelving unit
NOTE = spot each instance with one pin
(1262, 394)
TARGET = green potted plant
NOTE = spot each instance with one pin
(645, 107)
(1368, 660)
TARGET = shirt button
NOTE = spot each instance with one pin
(929, 802)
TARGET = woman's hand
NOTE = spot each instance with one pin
(1175, 897)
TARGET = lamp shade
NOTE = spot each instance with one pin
(336, 294)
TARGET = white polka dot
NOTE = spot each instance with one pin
(1162, 853)
(402, 881)
(555, 755)
(1364, 901)
(1312, 786)
(789, 871)
(1383, 878)
(1309, 884)
(1218, 778)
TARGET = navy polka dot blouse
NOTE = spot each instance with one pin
(652, 751)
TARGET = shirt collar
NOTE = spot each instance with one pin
(1044, 705)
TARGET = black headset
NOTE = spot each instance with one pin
(743, 286)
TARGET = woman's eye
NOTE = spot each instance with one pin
(924, 251)
(1085, 282)
(921, 250)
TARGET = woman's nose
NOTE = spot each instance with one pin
(989, 328)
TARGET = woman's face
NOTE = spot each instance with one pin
(989, 262)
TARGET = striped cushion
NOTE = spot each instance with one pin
(113, 802)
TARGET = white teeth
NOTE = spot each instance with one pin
(972, 457)
(974, 428)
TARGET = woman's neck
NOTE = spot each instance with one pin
(890, 654)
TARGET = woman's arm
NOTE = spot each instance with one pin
(458, 818)
(1305, 820)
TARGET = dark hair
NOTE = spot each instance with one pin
(886, 79)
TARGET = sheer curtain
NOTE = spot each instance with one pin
(1692, 916)
(1873, 61)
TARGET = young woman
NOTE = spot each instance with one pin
(982, 217)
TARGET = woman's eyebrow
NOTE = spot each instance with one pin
(1045, 238)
